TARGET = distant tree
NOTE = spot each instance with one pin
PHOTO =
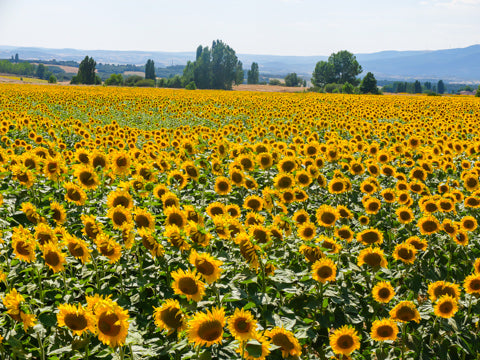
(150, 70)
(440, 87)
(417, 87)
(86, 72)
(189, 73)
(323, 74)
(478, 91)
(203, 69)
(292, 80)
(253, 74)
(369, 84)
(191, 86)
(346, 67)
(428, 85)
(224, 65)
(17, 59)
(175, 82)
(52, 79)
(199, 52)
(274, 82)
(41, 71)
(239, 74)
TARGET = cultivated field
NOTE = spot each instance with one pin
(173, 224)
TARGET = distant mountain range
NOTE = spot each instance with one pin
(462, 64)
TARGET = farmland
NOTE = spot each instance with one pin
(173, 224)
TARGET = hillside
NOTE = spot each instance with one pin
(460, 64)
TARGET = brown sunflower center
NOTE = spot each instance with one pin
(405, 313)
(384, 293)
(445, 307)
(86, 178)
(204, 267)
(328, 218)
(242, 325)
(74, 194)
(370, 237)
(338, 186)
(142, 221)
(223, 186)
(76, 322)
(405, 254)
(121, 200)
(324, 272)
(52, 258)
(172, 318)
(22, 248)
(373, 259)
(188, 286)
(119, 218)
(106, 324)
(75, 249)
(210, 330)
(430, 226)
(345, 342)
(284, 182)
(283, 341)
(385, 331)
(121, 161)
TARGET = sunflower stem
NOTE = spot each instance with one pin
(40, 286)
(243, 349)
(40, 347)
(122, 353)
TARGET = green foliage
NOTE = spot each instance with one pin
(341, 67)
(478, 91)
(132, 80)
(417, 87)
(275, 82)
(253, 74)
(145, 83)
(52, 79)
(150, 70)
(333, 88)
(191, 86)
(23, 68)
(114, 79)
(292, 80)
(369, 84)
(41, 69)
(348, 88)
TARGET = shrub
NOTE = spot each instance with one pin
(52, 79)
(191, 86)
(145, 83)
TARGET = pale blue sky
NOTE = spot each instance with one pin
(277, 27)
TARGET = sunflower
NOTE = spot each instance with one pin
(260, 234)
(120, 162)
(283, 181)
(445, 307)
(257, 348)
(215, 208)
(300, 217)
(330, 244)
(112, 323)
(206, 328)
(121, 217)
(53, 168)
(388, 195)
(242, 325)
(405, 311)
(446, 205)
(264, 160)
(324, 270)
(327, 216)
(222, 185)
(344, 233)
(287, 165)
(44, 234)
(468, 223)
(91, 227)
(87, 177)
(119, 197)
(303, 178)
(285, 340)
(169, 199)
(450, 227)
(471, 182)
(344, 212)
(384, 329)
(372, 205)
(404, 214)
(344, 340)
(177, 179)
(476, 266)
(175, 216)
(419, 244)
(108, 247)
(428, 225)
(364, 220)
(368, 187)
(76, 318)
(337, 186)
(175, 236)
(23, 175)
(370, 236)
(191, 170)
(144, 219)
(150, 242)
(237, 176)
(253, 202)
(169, 316)
(31, 213)
(440, 288)
(78, 248)
(306, 231)
(58, 212)
(372, 256)
(75, 193)
(383, 292)
(99, 160)
(311, 253)
(207, 266)
(246, 162)
(23, 244)
(248, 250)
(188, 283)
(405, 253)
(53, 257)
(472, 284)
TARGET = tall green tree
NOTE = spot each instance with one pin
(86, 72)
(292, 80)
(253, 74)
(440, 87)
(224, 65)
(369, 84)
(239, 73)
(341, 67)
(477, 94)
(41, 69)
(417, 87)
(150, 70)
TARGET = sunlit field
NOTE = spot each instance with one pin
(172, 224)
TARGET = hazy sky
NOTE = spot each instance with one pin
(277, 27)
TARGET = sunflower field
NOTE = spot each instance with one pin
(173, 224)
